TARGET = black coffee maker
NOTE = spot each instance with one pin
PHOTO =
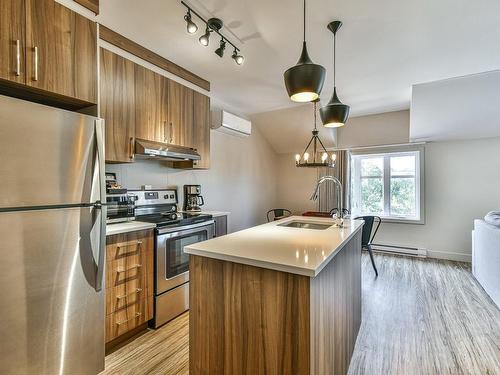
(193, 200)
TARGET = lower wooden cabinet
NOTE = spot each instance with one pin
(129, 281)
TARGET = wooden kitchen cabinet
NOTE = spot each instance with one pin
(180, 114)
(151, 115)
(50, 50)
(61, 50)
(118, 106)
(201, 129)
(12, 40)
(129, 282)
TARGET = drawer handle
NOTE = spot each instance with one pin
(137, 291)
(138, 245)
(138, 314)
(121, 270)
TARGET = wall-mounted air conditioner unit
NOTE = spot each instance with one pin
(231, 124)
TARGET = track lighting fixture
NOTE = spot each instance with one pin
(205, 38)
(222, 46)
(191, 27)
(213, 25)
(239, 59)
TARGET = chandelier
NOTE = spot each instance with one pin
(310, 156)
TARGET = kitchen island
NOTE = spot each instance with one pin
(279, 298)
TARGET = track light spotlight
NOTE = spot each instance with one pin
(220, 51)
(190, 25)
(205, 38)
(212, 25)
(239, 59)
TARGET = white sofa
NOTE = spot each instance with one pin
(486, 258)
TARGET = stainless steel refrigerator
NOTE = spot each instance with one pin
(52, 240)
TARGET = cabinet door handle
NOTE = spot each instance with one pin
(132, 148)
(137, 249)
(171, 133)
(165, 131)
(18, 57)
(35, 76)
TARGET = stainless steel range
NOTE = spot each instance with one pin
(173, 231)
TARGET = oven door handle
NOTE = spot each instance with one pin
(184, 228)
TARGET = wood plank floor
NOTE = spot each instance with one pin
(420, 317)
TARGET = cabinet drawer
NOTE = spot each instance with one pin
(128, 318)
(124, 248)
(128, 293)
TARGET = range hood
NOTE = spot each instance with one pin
(164, 151)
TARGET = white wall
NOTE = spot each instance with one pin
(462, 183)
(241, 178)
(381, 129)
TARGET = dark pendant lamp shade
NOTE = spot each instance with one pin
(305, 80)
(335, 113)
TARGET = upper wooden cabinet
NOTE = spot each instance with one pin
(12, 40)
(61, 50)
(151, 114)
(50, 48)
(118, 106)
(201, 129)
(136, 102)
(180, 114)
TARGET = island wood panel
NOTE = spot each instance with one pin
(130, 46)
(12, 29)
(93, 5)
(67, 50)
(117, 105)
(180, 114)
(247, 320)
(336, 310)
(151, 116)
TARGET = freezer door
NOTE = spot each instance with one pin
(52, 310)
(48, 156)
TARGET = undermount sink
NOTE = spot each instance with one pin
(305, 225)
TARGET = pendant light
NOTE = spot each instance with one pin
(305, 160)
(305, 80)
(335, 113)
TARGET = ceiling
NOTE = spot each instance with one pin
(383, 48)
(288, 130)
(457, 108)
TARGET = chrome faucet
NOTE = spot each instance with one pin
(339, 216)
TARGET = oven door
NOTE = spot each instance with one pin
(172, 264)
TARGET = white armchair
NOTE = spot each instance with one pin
(486, 258)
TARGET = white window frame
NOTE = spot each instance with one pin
(386, 153)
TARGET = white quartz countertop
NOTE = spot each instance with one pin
(295, 250)
(129, 226)
(213, 213)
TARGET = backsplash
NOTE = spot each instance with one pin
(241, 178)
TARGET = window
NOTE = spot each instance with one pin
(387, 185)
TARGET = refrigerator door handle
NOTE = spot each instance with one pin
(99, 131)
